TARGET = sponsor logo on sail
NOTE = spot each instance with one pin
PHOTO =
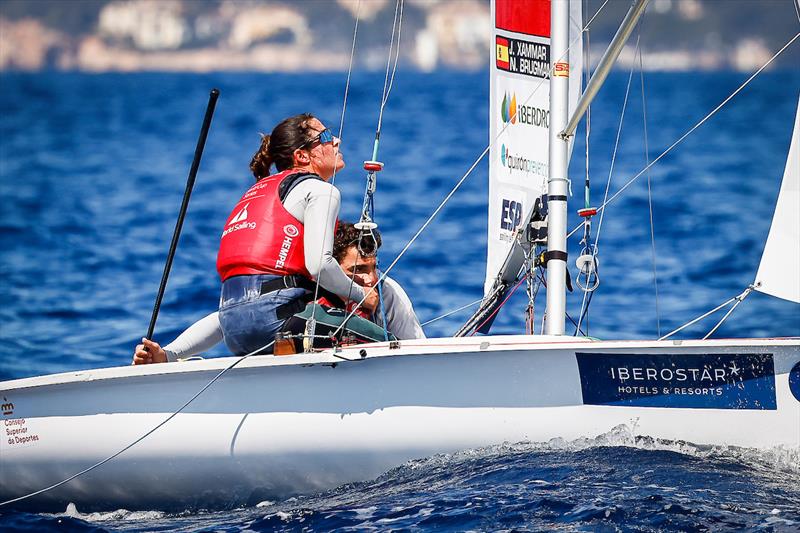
(512, 113)
(523, 57)
(521, 164)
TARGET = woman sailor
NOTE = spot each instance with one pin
(278, 239)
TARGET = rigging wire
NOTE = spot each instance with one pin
(388, 81)
(593, 249)
(140, 439)
(239, 360)
(312, 320)
(693, 128)
(543, 282)
(452, 312)
(478, 159)
(738, 298)
(584, 309)
(650, 195)
(588, 123)
(615, 152)
(316, 292)
(366, 223)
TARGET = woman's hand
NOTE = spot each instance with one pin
(149, 352)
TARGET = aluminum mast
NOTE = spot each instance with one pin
(560, 132)
(557, 184)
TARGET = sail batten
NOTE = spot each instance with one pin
(780, 263)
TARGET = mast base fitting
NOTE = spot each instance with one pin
(373, 166)
(365, 225)
(587, 212)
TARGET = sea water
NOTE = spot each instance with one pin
(93, 168)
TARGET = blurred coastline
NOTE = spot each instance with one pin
(316, 35)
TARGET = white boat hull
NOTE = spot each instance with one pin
(276, 426)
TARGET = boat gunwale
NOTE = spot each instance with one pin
(408, 348)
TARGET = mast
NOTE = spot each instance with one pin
(561, 130)
(557, 184)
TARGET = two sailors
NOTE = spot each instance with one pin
(277, 245)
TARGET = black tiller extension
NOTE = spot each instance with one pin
(198, 154)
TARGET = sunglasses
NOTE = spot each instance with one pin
(325, 136)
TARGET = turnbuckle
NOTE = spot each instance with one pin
(366, 223)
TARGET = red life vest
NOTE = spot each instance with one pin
(261, 236)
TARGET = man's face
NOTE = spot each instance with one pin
(364, 270)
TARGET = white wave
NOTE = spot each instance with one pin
(119, 514)
(778, 458)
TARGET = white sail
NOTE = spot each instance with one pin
(519, 116)
(778, 272)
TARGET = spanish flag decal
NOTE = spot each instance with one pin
(502, 53)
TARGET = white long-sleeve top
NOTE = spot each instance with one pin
(315, 203)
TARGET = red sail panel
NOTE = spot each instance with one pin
(523, 16)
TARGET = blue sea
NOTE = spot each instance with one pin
(92, 172)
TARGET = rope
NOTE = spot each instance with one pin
(693, 128)
(140, 439)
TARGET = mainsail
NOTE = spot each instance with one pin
(780, 263)
(519, 118)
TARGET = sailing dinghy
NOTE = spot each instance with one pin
(227, 431)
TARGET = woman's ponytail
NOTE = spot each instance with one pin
(261, 162)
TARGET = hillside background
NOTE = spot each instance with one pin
(316, 35)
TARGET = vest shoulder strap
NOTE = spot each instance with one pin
(293, 180)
